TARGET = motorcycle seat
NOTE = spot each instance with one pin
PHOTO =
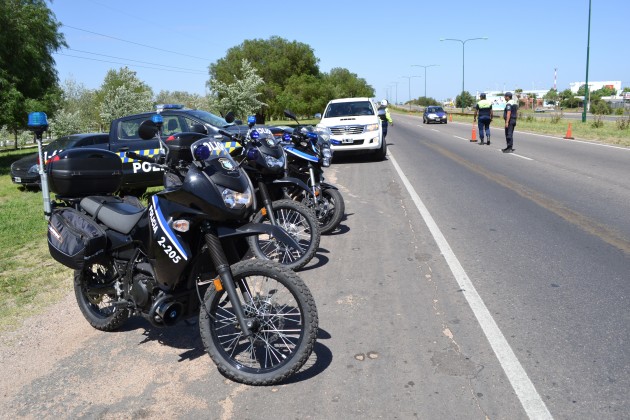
(112, 212)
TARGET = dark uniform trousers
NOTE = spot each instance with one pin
(509, 133)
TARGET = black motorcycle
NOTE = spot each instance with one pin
(263, 159)
(181, 256)
(308, 153)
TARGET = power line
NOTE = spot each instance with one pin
(136, 43)
(129, 65)
(137, 61)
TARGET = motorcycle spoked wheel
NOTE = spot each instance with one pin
(96, 296)
(284, 318)
(299, 222)
(329, 210)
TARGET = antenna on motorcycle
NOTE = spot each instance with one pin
(291, 115)
(38, 123)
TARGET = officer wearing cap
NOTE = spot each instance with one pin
(510, 114)
(484, 110)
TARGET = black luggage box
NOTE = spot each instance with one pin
(84, 171)
(179, 146)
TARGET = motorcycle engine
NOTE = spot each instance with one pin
(143, 286)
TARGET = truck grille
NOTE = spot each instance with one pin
(347, 129)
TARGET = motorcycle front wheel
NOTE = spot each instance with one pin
(96, 296)
(299, 222)
(330, 210)
(284, 322)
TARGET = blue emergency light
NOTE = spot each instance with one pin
(251, 119)
(157, 118)
(37, 121)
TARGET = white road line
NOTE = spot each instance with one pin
(437, 131)
(461, 138)
(523, 387)
(517, 155)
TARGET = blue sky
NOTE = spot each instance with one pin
(380, 41)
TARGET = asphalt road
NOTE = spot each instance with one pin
(464, 284)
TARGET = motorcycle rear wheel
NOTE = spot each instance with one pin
(96, 296)
(284, 318)
(299, 222)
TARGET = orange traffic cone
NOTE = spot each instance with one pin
(569, 135)
(474, 133)
(450, 117)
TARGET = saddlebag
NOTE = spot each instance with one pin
(74, 239)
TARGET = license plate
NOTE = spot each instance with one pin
(347, 141)
(18, 179)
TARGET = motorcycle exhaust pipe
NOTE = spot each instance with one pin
(166, 312)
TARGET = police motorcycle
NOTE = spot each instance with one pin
(308, 151)
(181, 256)
(263, 159)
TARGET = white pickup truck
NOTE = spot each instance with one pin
(355, 124)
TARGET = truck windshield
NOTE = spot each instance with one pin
(349, 109)
(211, 119)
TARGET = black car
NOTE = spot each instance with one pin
(434, 114)
(25, 171)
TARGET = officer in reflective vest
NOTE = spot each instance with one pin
(484, 110)
(510, 114)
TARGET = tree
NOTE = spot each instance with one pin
(464, 100)
(189, 100)
(305, 94)
(79, 111)
(241, 96)
(122, 93)
(345, 84)
(424, 101)
(28, 79)
(551, 96)
(275, 61)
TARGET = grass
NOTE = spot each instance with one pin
(29, 278)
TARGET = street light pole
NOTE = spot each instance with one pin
(425, 76)
(588, 47)
(463, 41)
(409, 78)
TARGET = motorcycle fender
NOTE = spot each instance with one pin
(251, 229)
(325, 185)
(294, 181)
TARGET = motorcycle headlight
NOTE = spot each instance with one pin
(273, 162)
(326, 152)
(372, 127)
(236, 200)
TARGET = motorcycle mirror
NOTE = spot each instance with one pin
(229, 117)
(289, 114)
(147, 130)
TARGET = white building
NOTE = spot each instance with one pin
(592, 86)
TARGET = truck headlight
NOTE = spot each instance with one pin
(372, 127)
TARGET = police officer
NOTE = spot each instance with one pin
(384, 115)
(510, 114)
(484, 110)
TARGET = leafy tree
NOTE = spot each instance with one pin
(28, 79)
(122, 93)
(79, 110)
(424, 101)
(305, 94)
(600, 107)
(551, 96)
(240, 96)
(464, 100)
(626, 89)
(345, 84)
(189, 100)
(275, 61)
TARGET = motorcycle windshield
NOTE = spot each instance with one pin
(210, 151)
